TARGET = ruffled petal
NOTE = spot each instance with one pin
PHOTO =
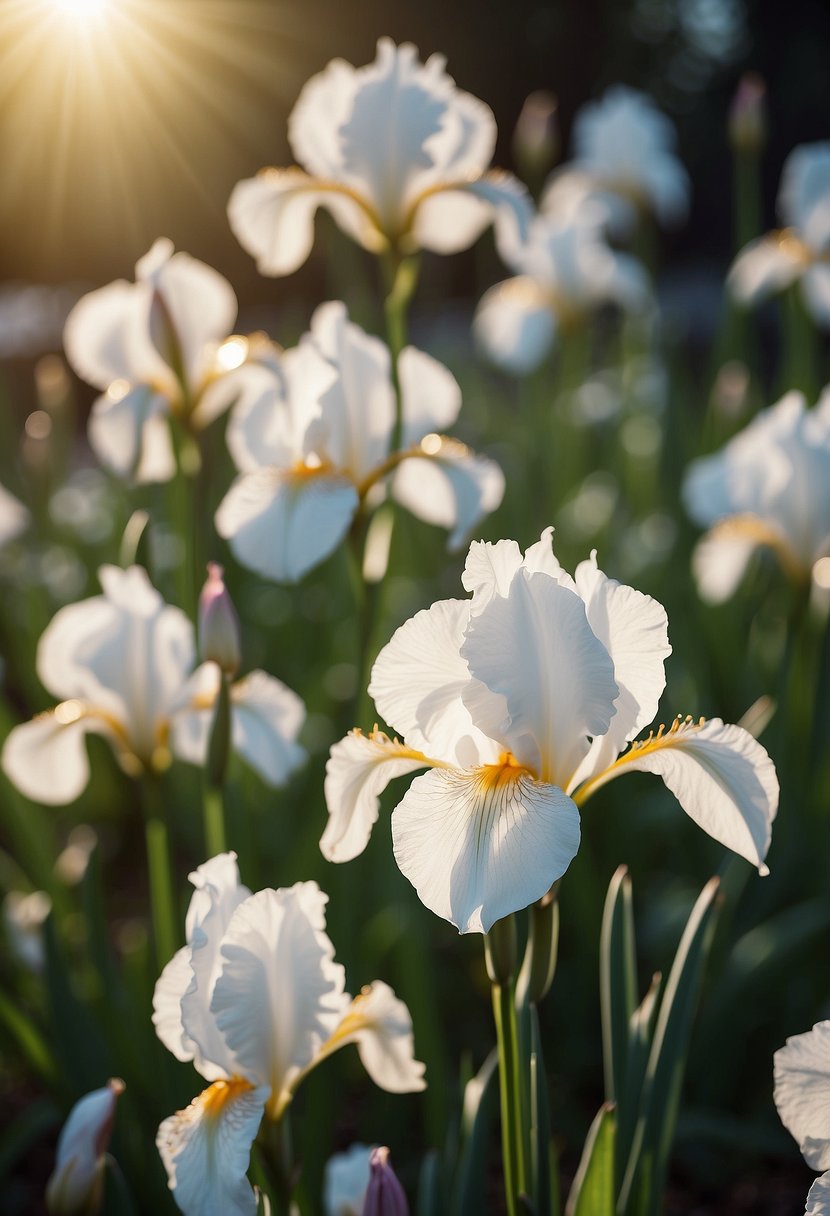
(451, 217)
(634, 630)
(206, 1149)
(46, 758)
(489, 569)
(720, 775)
(381, 1026)
(168, 993)
(430, 395)
(818, 1199)
(479, 845)
(515, 324)
(272, 217)
(358, 770)
(218, 893)
(764, 267)
(802, 1085)
(535, 648)
(267, 718)
(280, 994)
(417, 683)
(449, 486)
(281, 525)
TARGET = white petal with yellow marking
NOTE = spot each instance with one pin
(206, 1149)
(479, 845)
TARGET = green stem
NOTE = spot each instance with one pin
(183, 514)
(799, 360)
(401, 280)
(214, 820)
(162, 900)
(510, 1092)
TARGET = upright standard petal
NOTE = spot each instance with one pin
(105, 337)
(206, 1149)
(634, 630)
(273, 1029)
(720, 775)
(535, 648)
(804, 196)
(479, 845)
(381, 1026)
(200, 308)
(282, 524)
(802, 1088)
(358, 770)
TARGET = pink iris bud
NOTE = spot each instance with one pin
(747, 114)
(76, 1185)
(218, 623)
(384, 1195)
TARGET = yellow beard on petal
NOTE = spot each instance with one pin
(221, 1094)
(507, 770)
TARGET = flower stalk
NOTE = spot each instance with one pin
(157, 840)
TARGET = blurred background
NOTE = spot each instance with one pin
(137, 122)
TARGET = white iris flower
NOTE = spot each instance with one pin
(564, 271)
(624, 156)
(521, 702)
(312, 438)
(153, 347)
(121, 663)
(395, 152)
(768, 487)
(800, 251)
(256, 1000)
(802, 1095)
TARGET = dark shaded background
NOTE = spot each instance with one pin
(145, 134)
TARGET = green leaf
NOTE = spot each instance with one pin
(593, 1192)
(430, 1187)
(617, 982)
(28, 1039)
(476, 1122)
(667, 1060)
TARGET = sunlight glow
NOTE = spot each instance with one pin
(82, 10)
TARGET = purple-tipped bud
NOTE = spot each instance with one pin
(76, 1185)
(536, 142)
(385, 1195)
(747, 114)
(218, 623)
